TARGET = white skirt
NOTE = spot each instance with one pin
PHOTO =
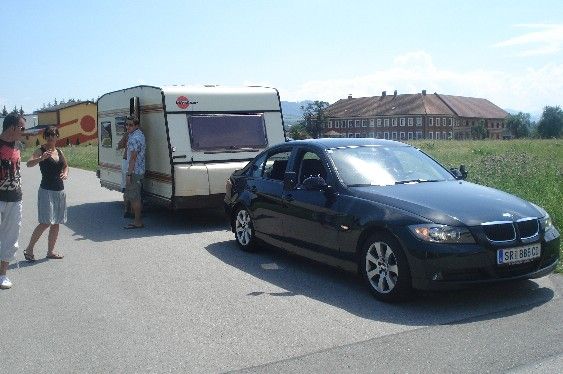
(51, 206)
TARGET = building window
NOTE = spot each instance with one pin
(430, 135)
(370, 134)
(450, 135)
(371, 122)
(444, 122)
(357, 123)
(364, 123)
(386, 135)
(379, 122)
(330, 124)
(451, 122)
(386, 122)
(410, 135)
(378, 135)
(431, 122)
(437, 121)
(437, 135)
(358, 135)
(350, 123)
(444, 135)
(402, 121)
(402, 135)
(350, 134)
(337, 124)
(419, 134)
(394, 135)
(411, 121)
(419, 121)
(394, 122)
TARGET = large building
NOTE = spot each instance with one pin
(76, 122)
(413, 116)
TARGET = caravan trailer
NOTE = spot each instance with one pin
(196, 136)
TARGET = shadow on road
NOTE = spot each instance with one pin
(298, 276)
(103, 221)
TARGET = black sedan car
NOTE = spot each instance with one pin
(390, 212)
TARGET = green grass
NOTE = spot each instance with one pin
(82, 157)
(530, 169)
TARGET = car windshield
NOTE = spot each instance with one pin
(385, 165)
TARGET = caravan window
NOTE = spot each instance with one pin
(214, 132)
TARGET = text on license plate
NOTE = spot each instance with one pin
(518, 255)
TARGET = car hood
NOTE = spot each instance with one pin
(451, 202)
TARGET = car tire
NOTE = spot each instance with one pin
(244, 229)
(384, 268)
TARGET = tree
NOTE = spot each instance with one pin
(519, 124)
(315, 118)
(15, 110)
(21, 111)
(299, 131)
(4, 111)
(479, 131)
(551, 122)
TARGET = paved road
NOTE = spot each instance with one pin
(178, 296)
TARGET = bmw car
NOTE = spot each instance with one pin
(391, 213)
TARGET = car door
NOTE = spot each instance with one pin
(311, 222)
(267, 206)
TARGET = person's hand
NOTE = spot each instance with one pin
(64, 175)
(46, 155)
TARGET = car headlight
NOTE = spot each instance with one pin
(442, 233)
(546, 222)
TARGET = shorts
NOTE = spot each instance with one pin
(133, 190)
(10, 224)
(51, 206)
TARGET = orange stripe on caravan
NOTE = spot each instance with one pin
(122, 112)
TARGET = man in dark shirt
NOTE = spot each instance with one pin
(10, 193)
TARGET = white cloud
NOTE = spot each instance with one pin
(547, 39)
(413, 72)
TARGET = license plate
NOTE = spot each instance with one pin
(507, 256)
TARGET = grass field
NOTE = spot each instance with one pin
(530, 169)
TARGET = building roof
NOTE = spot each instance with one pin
(414, 104)
(63, 106)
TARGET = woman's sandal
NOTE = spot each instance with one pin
(28, 257)
(54, 256)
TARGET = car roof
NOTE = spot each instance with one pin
(327, 143)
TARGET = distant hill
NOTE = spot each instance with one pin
(292, 112)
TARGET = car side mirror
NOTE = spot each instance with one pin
(289, 180)
(315, 184)
(463, 171)
(460, 173)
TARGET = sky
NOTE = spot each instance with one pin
(509, 52)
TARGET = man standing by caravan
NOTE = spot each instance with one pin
(135, 171)
(10, 193)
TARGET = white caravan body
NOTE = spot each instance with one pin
(196, 136)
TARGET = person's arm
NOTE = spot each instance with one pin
(37, 157)
(64, 172)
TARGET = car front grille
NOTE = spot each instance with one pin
(504, 231)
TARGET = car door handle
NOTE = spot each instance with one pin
(288, 197)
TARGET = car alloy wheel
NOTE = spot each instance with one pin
(244, 231)
(385, 268)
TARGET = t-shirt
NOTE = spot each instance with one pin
(136, 142)
(51, 172)
(10, 179)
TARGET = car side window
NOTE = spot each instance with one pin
(276, 164)
(311, 165)
(257, 167)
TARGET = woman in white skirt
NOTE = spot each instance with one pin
(51, 198)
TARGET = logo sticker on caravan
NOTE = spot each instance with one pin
(182, 102)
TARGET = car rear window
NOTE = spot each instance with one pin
(229, 132)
